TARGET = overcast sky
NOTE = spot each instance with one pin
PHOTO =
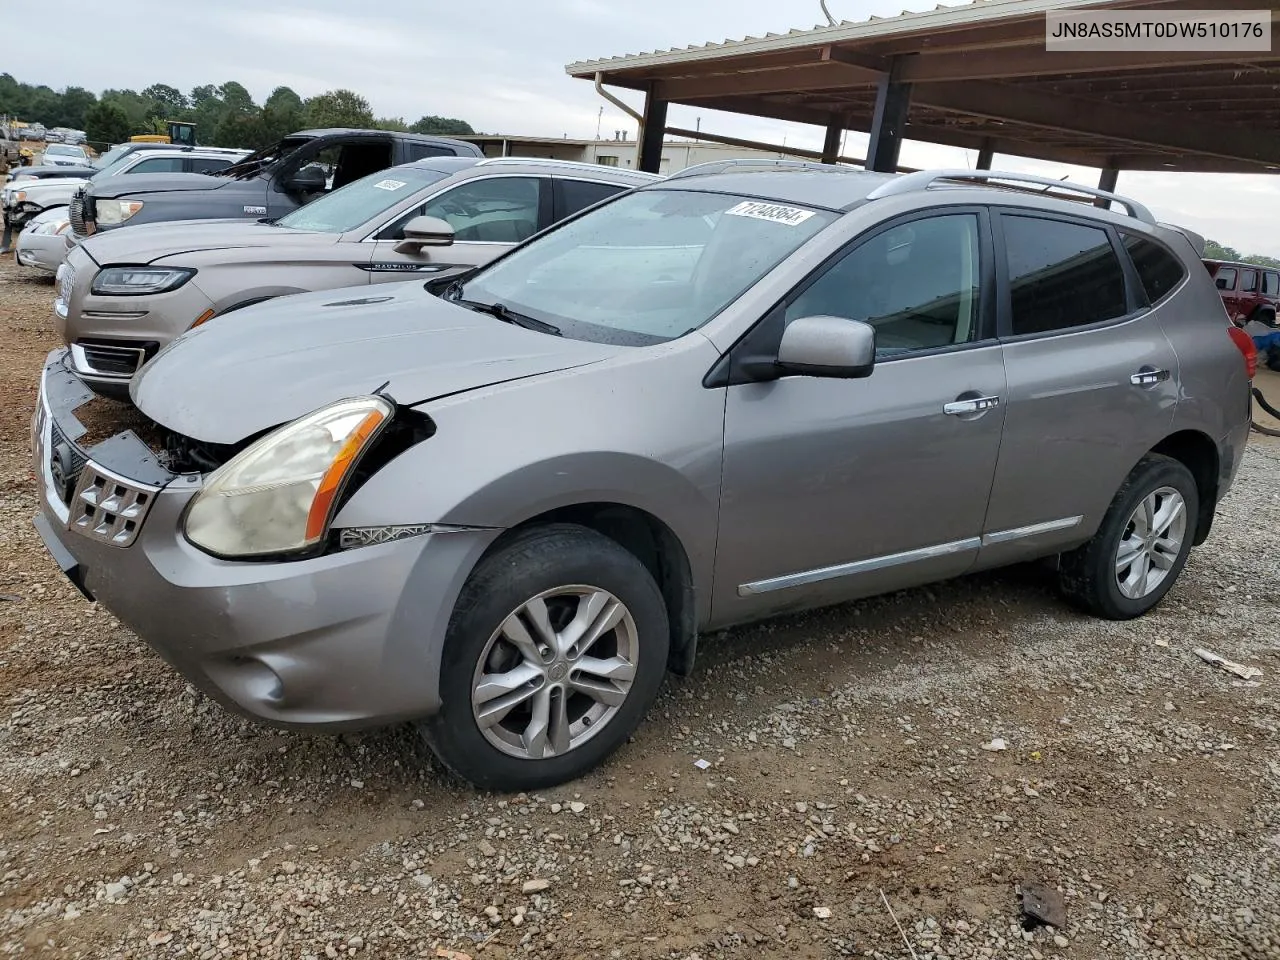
(499, 64)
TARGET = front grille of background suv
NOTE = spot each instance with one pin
(75, 213)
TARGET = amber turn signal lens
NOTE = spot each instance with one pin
(207, 315)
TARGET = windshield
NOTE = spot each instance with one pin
(647, 267)
(264, 157)
(359, 202)
(110, 157)
(62, 150)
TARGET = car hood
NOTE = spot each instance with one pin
(148, 242)
(134, 184)
(265, 365)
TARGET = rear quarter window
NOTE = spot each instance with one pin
(1158, 268)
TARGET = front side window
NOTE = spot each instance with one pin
(1249, 281)
(360, 202)
(1061, 275)
(648, 266)
(916, 284)
(1225, 279)
(157, 165)
(489, 210)
(1158, 269)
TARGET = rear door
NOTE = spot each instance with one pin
(1092, 381)
(489, 215)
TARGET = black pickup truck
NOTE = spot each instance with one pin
(264, 185)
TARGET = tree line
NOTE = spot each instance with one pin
(225, 114)
(1216, 251)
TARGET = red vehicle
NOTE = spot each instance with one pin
(1248, 291)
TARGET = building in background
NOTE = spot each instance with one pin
(676, 153)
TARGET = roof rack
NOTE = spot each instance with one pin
(911, 182)
(569, 164)
(716, 166)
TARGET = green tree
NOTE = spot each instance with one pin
(1216, 251)
(339, 108)
(391, 123)
(283, 100)
(76, 102)
(241, 130)
(171, 103)
(445, 126)
(105, 122)
(1262, 261)
(237, 99)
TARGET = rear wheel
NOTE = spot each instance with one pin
(556, 649)
(1141, 546)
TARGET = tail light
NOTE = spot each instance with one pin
(1250, 352)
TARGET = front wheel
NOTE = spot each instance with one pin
(1141, 546)
(556, 648)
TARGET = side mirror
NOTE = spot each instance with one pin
(824, 346)
(1221, 283)
(307, 180)
(425, 232)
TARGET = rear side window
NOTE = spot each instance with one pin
(1225, 279)
(1061, 275)
(579, 194)
(1271, 283)
(1158, 269)
(1249, 281)
(420, 151)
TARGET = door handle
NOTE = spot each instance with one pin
(960, 408)
(1147, 377)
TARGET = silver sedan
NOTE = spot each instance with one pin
(40, 246)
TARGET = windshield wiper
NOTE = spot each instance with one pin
(507, 315)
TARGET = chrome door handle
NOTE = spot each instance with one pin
(958, 408)
(1148, 377)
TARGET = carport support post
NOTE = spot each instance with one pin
(831, 145)
(986, 153)
(889, 122)
(653, 130)
(1107, 182)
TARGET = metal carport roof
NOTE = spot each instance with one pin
(978, 76)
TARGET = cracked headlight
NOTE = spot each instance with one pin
(278, 495)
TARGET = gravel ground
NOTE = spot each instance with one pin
(849, 769)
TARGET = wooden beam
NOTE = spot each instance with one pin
(1091, 118)
(866, 61)
(1034, 61)
(828, 75)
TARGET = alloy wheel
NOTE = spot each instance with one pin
(1151, 542)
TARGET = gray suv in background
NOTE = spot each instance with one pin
(124, 294)
(504, 513)
(268, 183)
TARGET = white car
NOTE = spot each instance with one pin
(65, 155)
(40, 246)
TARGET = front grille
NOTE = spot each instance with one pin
(66, 462)
(75, 212)
(109, 508)
(110, 360)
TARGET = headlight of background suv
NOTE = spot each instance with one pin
(52, 227)
(278, 495)
(110, 213)
(124, 281)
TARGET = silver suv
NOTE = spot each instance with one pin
(124, 294)
(505, 512)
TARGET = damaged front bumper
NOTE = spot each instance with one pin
(332, 641)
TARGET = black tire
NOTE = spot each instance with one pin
(1087, 575)
(535, 561)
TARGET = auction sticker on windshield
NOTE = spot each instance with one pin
(777, 212)
(389, 184)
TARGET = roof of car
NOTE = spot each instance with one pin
(343, 131)
(836, 189)
(595, 171)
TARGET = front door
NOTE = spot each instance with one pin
(1092, 383)
(834, 489)
(489, 215)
